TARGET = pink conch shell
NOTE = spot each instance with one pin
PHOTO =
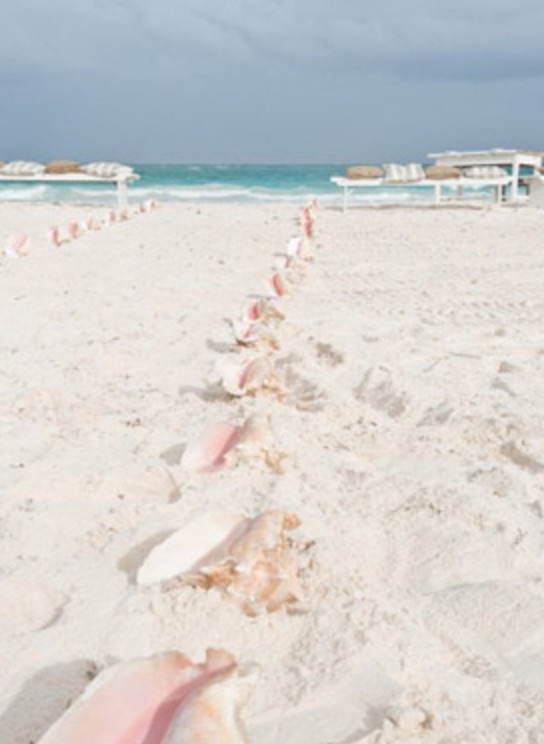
(263, 310)
(276, 284)
(223, 441)
(247, 377)
(209, 451)
(146, 701)
(308, 222)
(249, 559)
(53, 236)
(112, 217)
(17, 245)
(73, 230)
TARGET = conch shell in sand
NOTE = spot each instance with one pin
(262, 309)
(224, 441)
(298, 249)
(277, 285)
(248, 559)
(164, 699)
(17, 245)
(255, 334)
(249, 376)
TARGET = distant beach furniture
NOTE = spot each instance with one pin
(521, 165)
(501, 171)
(68, 171)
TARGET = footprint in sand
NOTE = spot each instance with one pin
(28, 603)
(377, 389)
(303, 394)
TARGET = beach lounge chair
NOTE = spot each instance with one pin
(413, 174)
(67, 171)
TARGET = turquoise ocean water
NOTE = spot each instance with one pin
(217, 183)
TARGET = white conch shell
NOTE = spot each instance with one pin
(293, 247)
(249, 376)
(141, 702)
(192, 548)
(299, 249)
(248, 559)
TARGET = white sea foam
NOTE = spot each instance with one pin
(220, 184)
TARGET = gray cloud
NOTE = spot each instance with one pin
(454, 39)
(207, 79)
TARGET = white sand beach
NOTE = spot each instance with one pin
(413, 355)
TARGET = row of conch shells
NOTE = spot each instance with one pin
(252, 328)
(249, 559)
(57, 235)
(163, 699)
(223, 442)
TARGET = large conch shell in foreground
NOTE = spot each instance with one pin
(164, 699)
(249, 559)
(222, 442)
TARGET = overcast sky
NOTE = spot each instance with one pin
(268, 81)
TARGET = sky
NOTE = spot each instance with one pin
(268, 81)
